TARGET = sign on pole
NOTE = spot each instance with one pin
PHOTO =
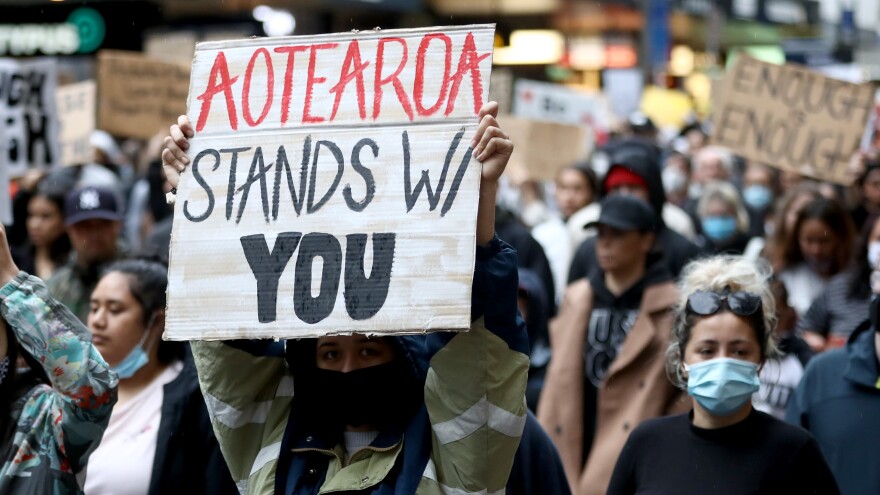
(27, 111)
(791, 118)
(139, 96)
(76, 113)
(332, 187)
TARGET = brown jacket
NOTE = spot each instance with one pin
(635, 386)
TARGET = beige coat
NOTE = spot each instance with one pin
(635, 387)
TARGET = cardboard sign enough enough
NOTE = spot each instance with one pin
(791, 118)
(332, 187)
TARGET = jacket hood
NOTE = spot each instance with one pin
(862, 366)
(643, 159)
(538, 306)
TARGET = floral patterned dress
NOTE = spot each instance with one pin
(58, 425)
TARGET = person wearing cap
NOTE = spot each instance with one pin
(635, 170)
(94, 221)
(605, 375)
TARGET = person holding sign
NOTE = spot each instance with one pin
(53, 415)
(408, 414)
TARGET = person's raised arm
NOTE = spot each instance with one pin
(492, 148)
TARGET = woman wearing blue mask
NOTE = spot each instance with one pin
(159, 439)
(723, 335)
(724, 220)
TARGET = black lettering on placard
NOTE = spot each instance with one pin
(197, 175)
(36, 135)
(15, 93)
(340, 161)
(412, 195)
(257, 172)
(364, 172)
(230, 191)
(268, 267)
(35, 96)
(314, 309)
(364, 297)
(283, 166)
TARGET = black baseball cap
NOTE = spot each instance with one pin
(91, 202)
(625, 212)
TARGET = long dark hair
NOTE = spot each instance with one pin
(147, 281)
(832, 214)
(860, 272)
(55, 192)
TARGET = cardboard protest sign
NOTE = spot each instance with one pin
(139, 96)
(544, 148)
(332, 187)
(791, 118)
(27, 114)
(76, 114)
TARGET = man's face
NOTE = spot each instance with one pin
(621, 249)
(94, 240)
(709, 169)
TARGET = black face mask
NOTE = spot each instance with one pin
(379, 396)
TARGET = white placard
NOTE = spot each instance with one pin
(76, 114)
(332, 188)
(559, 104)
(27, 113)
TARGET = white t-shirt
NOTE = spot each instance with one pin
(803, 286)
(123, 463)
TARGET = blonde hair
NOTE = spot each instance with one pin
(715, 274)
(727, 194)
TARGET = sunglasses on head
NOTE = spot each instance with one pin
(705, 303)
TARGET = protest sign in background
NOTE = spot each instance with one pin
(791, 118)
(332, 188)
(27, 111)
(544, 148)
(555, 103)
(139, 96)
(76, 114)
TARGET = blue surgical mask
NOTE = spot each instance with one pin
(136, 359)
(722, 385)
(757, 196)
(719, 228)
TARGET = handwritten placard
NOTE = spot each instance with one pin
(791, 118)
(76, 114)
(27, 114)
(332, 187)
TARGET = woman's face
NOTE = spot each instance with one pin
(718, 208)
(572, 192)
(722, 335)
(818, 244)
(115, 318)
(347, 353)
(44, 221)
(794, 209)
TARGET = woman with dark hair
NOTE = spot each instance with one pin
(47, 246)
(818, 247)
(53, 414)
(724, 325)
(843, 305)
(159, 439)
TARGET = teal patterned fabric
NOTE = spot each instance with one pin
(58, 425)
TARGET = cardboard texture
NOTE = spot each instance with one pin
(76, 114)
(544, 148)
(791, 118)
(139, 96)
(324, 198)
(27, 109)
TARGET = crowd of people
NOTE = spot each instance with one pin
(666, 317)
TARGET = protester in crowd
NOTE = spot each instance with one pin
(48, 246)
(784, 218)
(838, 401)
(529, 252)
(724, 327)
(676, 177)
(635, 170)
(427, 414)
(537, 467)
(868, 187)
(576, 187)
(724, 221)
(819, 247)
(52, 413)
(782, 372)
(759, 190)
(604, 378)
(534, 307)
(843, 305)
(695, 136)
(159, 439)
(710, 164)
(94, 220)
(640, 126)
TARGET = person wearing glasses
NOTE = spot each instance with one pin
(724, 327)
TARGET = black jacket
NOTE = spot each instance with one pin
(188, 459)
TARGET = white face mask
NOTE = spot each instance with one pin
(674, 180)
(874, 254)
